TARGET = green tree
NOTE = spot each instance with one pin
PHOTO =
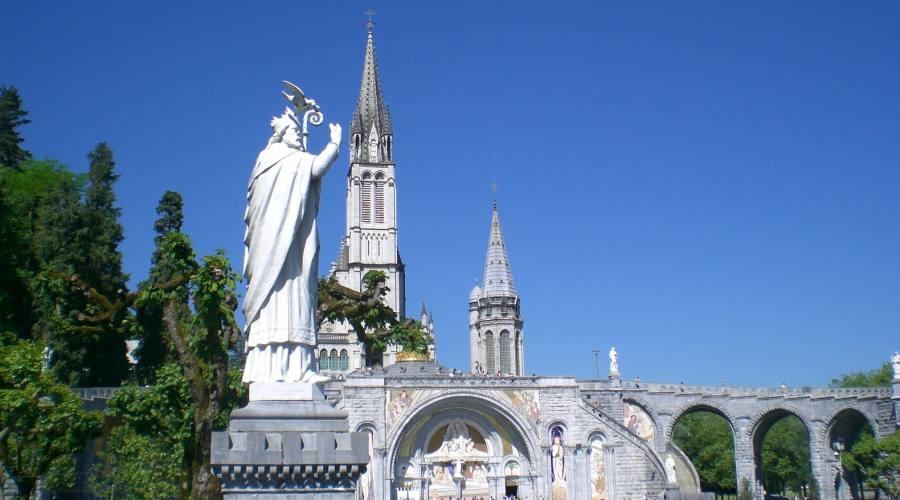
(200, 344)
(103, 266)
(878, 377)
(878, 462)
(43, 425)
(145, 454)
(707, 439)
(374, 321)
(785, 456)
(12, 116)
(152, 351)
(89, 355)
(29, 202)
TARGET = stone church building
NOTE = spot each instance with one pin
(490, 431)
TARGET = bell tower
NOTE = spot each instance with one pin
(496, 342)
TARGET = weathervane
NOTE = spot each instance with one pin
(302, 104)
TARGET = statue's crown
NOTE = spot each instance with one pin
(287, 120)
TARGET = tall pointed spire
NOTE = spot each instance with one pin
(371, 115)
(497, 273)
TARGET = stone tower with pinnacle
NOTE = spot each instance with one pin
(370, 243)
(496, 342)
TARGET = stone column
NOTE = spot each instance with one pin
(744, 461)
(825, 468)
(609, 455)
(288, 448)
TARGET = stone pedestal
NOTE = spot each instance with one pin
(299, 447)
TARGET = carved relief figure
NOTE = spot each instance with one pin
(670, 469)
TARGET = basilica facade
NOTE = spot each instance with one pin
(490, 431)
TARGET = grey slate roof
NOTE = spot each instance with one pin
(497, 273)
(370, 106)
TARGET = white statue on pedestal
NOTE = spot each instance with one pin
(613, 361)
(281, 258)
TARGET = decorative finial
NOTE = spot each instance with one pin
(494, 190)
(371, 14)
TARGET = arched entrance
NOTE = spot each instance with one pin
(705, 436)
(781, 451)
(845, 429)
(461, 446)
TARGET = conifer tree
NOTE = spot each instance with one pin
(12, 116)
(152, 352)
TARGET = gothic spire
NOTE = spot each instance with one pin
(371, 111)
(497, 273)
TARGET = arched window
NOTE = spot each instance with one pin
(518, 366)
(323, 359)
(373, 147)
(334, 359)
(489, 364)
(356, 145)
(344, 360)
(366, 198)
(379, 198)
(504, 352)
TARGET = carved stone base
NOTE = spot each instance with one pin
(289, 450)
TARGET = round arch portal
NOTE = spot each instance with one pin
(461, 445)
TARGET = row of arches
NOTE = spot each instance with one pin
(334, 360)
(779, 451)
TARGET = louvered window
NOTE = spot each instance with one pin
(344, 360)
(518, 366)
(334, 359)
(504, 352)
(366, 205)
(489, 363)
(379, 199)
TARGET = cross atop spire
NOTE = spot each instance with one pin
(371, 114)
(371, 15)
(497, 272)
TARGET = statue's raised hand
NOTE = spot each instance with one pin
(335, 133)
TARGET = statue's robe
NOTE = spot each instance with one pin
(281, 253)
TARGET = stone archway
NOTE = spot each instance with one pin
(844, 429)
(758, 431)
(461, 445)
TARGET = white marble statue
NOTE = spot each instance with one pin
(895, 360)
(613, 361)
(670, 469)
(557, 460)
(281, 258)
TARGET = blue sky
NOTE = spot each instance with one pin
(712, 187)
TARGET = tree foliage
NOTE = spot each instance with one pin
(707, 439)
(152, 351)
(374, 322)
(878, 377)
(785, 456)
(44, 425)
(200, 338)
(878, 462)
(12, 116)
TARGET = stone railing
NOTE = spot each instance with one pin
(92, 393)
(733, 391)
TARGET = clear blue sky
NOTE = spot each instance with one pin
(712, 187)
